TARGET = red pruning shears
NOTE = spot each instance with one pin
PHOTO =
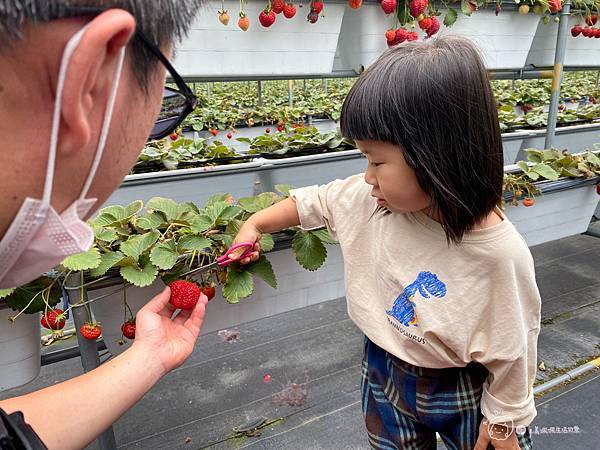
(224, 260)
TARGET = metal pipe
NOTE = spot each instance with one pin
(570, 375)
(67, 353)
(559, 61)
(88, 349)
(259, 87)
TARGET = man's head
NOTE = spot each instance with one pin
(33, 34)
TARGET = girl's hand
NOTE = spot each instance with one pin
(248, 233)
(498, 436)
(168, 342)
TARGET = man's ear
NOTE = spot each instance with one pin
(89, 77)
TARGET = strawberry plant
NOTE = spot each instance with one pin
(547, 165)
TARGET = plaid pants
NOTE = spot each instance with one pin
(405, 405)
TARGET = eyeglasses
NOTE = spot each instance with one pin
(177, 104)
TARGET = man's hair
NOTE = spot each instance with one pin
(434, 100)
(163, 21)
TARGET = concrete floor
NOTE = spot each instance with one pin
(223, 383)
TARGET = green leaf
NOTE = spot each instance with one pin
(533, 175)
(164, 255)
(21, 297)
(150, 221)
(284, 189)
(533, 155)
(216, 198)
(450, 18)
(134, 207)
(229, 213)
(83, 261)
(546, 171)
(105, 234)
(194, 243)
(258, 203)
(592, 158)
(324, 236)
(107, 260)
(263, 269)
(201, 223)
(135, 246)
(6, 292)
(570, 172)
(309, 250)
(239, 285)
(464, 7)
(266, 243)
(233, 227)
(168, 207)
(140, 276)
(214, 210)
(523, 166)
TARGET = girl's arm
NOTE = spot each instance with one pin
(274, 218)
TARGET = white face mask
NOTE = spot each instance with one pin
(39, 238)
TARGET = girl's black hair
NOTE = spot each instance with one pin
(434, 100)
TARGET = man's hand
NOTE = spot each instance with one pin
(169, 342)
(501, 437)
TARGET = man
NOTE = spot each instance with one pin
(61, 62)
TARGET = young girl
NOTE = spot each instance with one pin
(437, 278)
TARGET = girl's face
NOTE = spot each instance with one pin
(394, 183)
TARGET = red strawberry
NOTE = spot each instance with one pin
(412, 36)
(587, 31)
(417, 7)
(434, 28)
(208, 290)
(229, 135)
(277, 6)
(388, 6)
(390, 36)
(213, 131)
(355, 4)
(317, 7)
(401, 36)
(576, 30)
(555, 6)
(498, 8)
(528, 202)
(243, 22)
(598, 189)
(128, 329)
(267, 18)
(289, 10)
(597, 33)
(91, 330)
(267, 378)
(280, 126)
(591, 20)
(312, 17)
(184, 294)
(53, 319)
(174, 136)
(267, 130)
(425, 23)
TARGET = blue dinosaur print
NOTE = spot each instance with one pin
(403, 309)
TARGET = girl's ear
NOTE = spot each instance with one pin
(89, 77)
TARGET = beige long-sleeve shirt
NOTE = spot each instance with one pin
(432, 305)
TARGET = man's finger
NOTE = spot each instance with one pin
(158, 303)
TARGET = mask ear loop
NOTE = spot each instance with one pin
(105, 124)
(62, 73)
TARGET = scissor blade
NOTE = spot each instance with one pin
(201, 269)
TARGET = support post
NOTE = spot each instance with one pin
(88, 349)
(260, 98)
(291, 93)
(559, 60)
